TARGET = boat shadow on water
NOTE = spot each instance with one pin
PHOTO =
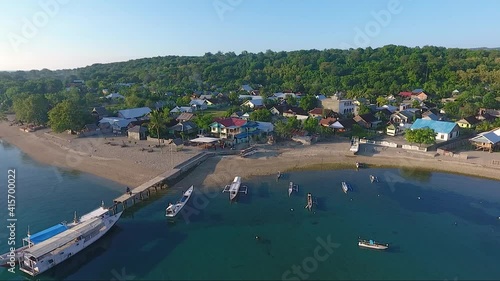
(72, 265)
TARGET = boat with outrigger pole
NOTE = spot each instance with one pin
(373, 179)
(235, 188)
(310, 202)
(292, 187)
(279, 175)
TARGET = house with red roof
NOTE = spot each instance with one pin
(234, 130)
(405, 95)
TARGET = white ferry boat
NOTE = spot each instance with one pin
(10, 258)
(48, 253)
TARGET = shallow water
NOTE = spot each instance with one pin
(439, 226)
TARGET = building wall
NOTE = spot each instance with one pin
(341, 106)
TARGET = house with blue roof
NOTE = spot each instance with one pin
(444, 130)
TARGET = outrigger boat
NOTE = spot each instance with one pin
(373, 179)
(173, 209)
(357, 165)
(309, 202)
(372, 244)
(292, 187)
(279, 175)
(345, 187)
(234, 188)
(33, 239)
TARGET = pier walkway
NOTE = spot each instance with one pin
(143, 191)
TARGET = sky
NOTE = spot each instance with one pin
(62, 34)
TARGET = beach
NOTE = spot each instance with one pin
(129, 163)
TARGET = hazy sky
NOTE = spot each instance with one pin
(58, 34)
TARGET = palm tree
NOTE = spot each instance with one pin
(158, 119)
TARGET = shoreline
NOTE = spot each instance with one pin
(131, 167)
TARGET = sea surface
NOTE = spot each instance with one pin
(439, 226)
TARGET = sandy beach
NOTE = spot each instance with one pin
(130, 163)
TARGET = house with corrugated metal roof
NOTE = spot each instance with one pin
(444, 130)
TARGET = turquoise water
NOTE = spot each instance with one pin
(439, 226)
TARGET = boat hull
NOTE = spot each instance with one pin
(375, 246)
(174, 209)
(60, 255)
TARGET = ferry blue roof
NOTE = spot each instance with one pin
(48, 233)
(437, 126)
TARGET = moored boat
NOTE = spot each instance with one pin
(55, 250)
(292, 187)
(173, 209)
(345, 187)
(234, 188)
(12, 257)
(372, 244)
(309, 202)
(373, 179)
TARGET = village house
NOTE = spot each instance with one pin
(487, 141)
(402, 117)
(183, 128)
(118, 125)
(338, 104)
(444, 130)
(319, 112)
(198, 104)
(327, 122)
(181, 109)
(429, 115)
(468, 122)
(367, 120)
(295, 111)
(405, 95)
(137, 133)
(343, 125)
(234, 130)
(99, 112)
(134, 113)
(246, 88)
(254, 103)
(184, 117)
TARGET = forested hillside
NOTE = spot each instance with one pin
(359, 72)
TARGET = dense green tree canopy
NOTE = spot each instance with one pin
(68, 115)
(421, 136)
(368, 73)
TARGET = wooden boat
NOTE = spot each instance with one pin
(309, 202)
(292, 187)
(372, 244)
(279, 175)
(234, 188)
(173, 209)
(373, 179)
(357, 165)
(345, 187)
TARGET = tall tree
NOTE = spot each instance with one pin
(157, 121)
(68, 115)
(308, 102)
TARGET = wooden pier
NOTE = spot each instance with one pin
(144, 190)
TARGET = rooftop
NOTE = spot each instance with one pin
(437, 126)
